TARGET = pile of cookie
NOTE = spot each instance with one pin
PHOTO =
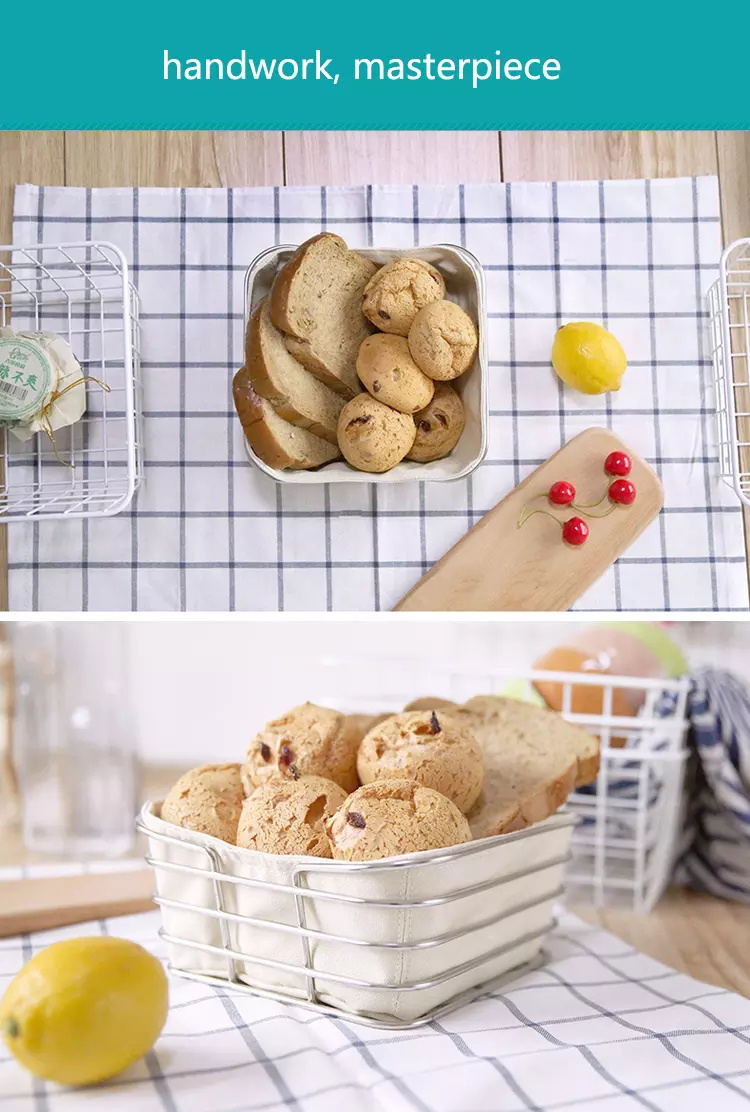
(311, 347)
(319, 783)
(410, 410)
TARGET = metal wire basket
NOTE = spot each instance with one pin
(391, 943)
(82, 292)
(729, 315)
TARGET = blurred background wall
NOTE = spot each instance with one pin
(201, 689)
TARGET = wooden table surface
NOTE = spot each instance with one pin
(340, 158)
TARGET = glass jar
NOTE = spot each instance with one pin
(74, 740)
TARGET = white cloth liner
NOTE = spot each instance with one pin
(537, 856)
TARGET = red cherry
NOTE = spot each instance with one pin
(562, 493)
(617, 463)
(575, 531)
(622, 491)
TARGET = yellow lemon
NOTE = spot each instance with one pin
(84, 1009)
(588, 358)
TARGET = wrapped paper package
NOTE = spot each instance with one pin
(42, 386)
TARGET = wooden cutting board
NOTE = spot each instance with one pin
(42, 903)
(498, 566)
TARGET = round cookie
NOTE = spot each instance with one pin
(306, 741)
(429, 746)
(289, 816)
(372, 436)
(395, 294)
(443, 340)
(439, 426)
(387, 370)
(393, 817)
(207, 799)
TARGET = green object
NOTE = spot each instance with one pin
(656, 639)
(523, 691)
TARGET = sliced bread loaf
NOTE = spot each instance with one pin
(293, 391)
(316, 300)
(533, 761)
(278, 443)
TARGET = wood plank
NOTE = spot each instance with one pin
(498, 565)
(174, 158)
(583, 155)
(383, 157)
(46, 903)
(25, 156)
(694, 933)
(733, 149)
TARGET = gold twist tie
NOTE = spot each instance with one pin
(44, 412)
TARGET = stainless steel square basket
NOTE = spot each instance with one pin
(390, 943)
(83, 292)
(464, 280)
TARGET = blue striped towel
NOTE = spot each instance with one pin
(716, 849)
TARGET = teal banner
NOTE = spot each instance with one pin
(354, 65)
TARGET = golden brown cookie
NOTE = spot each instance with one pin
(439, 425)
(207, 799)
(428, 746)
(306, 741)
(443, 340)
(372, 436)
(392, 817)
(289, 816)
(394, 295)
(386, 368)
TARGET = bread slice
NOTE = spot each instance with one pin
(316, 300)
(278, 443)
(533, 761)
(294, 392)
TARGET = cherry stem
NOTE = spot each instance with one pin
(525, 516)
(591, 505)
(606, 513)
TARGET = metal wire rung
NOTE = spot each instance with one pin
(82, 292)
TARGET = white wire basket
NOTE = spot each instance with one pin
(627, 839)
(729, 317)
(82, 292)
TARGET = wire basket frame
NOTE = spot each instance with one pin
(307, 890)
(82, 292)
(729, 318)
(625, 845)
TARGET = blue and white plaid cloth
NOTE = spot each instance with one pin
(600, 1028)
(208, 531)
(716, 857)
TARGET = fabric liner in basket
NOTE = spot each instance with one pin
(513, 879)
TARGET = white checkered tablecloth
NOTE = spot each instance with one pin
(210, 532)
(601, 1027)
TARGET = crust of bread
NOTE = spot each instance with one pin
(266, 380)
(302, 449)
(492, 814)
(503, 727)
(300, 346)
(588, 751)
(283, 282)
